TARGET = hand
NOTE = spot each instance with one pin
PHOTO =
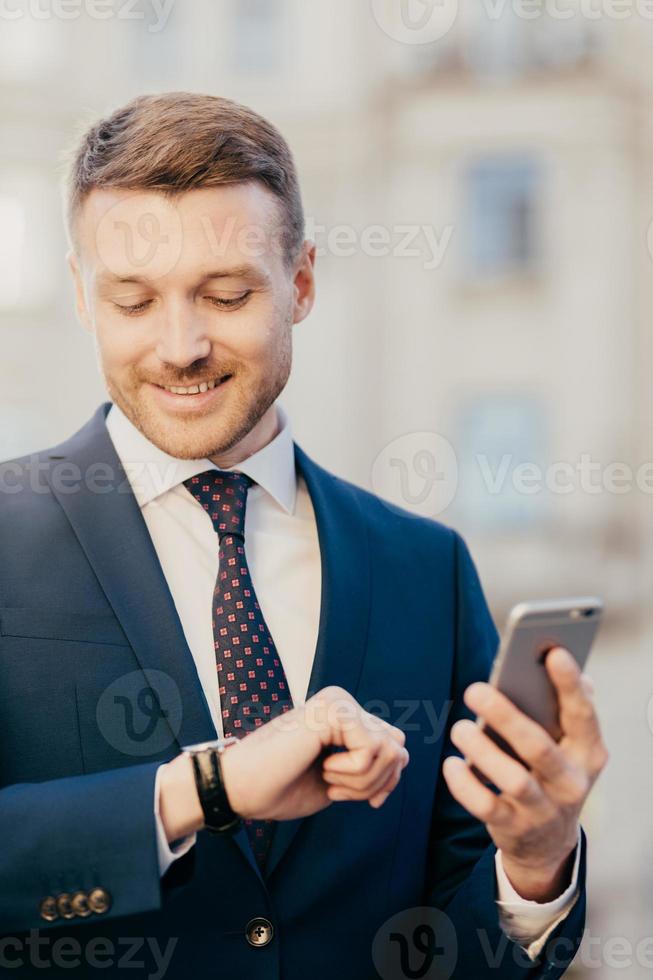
(276, 772)
(534, 819)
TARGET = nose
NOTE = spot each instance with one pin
(183, 339)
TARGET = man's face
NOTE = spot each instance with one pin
(192, 291)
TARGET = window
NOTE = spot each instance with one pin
(501, 228)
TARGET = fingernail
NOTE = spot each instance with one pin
(587, 683)
(460, 728)
(477, 690)
(453, 762)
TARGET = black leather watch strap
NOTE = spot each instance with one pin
(218, 816)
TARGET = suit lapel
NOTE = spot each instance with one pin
(110, 528)
(115, 539)
(345, 601)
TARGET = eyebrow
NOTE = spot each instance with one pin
(249, 272)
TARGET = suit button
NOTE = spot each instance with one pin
(48, 909)
(79, 904)
(259, 932)
(99, 900)
(63, 905)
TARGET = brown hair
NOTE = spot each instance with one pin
(178, 141)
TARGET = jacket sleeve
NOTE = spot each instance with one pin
(78, 834)
(461, 879)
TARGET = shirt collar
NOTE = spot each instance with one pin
(153, 472)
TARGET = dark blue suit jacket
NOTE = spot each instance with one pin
(85, 609)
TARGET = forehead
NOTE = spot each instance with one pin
(133, 232)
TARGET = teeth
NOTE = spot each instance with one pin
(194, 390)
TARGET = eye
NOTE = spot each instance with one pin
(136, 308)
(227, 304)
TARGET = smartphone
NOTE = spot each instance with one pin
(532, 630)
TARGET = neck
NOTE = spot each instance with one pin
(265, 430)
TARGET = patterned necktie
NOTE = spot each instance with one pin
(252, 684)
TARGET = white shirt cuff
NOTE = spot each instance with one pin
(167, 855)
(527, 922)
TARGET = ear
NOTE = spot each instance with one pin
(304, 282)
(80, 299)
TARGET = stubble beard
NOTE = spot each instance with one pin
(216, 433)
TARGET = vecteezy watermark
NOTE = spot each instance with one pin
(427, 21)
(140, 233)
(417, 942)
(423, 942)
(400, 241)
(43, 952)
(418, 715)
(415, 21)
(131, 715)
(419, 472)
(143, 233)
(564, 10)
(156, 16)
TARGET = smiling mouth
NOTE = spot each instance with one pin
(195, 389)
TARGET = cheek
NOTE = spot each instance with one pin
(119, 349)
(259, 335)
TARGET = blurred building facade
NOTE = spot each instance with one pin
(482, 272)
(481, 207)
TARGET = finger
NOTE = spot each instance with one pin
(379, 798)
(508, 775)
(578, 719)
(356, 761)
(397, 734)
(386, 778)
(477, 799)
(379, 726)
(528, 739)
(352, 793)
(588, 684)
(383, 766)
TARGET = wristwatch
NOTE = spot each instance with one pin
(219, 818)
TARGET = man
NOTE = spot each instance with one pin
(180, 572)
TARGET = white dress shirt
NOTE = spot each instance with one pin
(283, 555)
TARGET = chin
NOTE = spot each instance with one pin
(183, 441)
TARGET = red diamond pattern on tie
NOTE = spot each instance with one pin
(251, 680)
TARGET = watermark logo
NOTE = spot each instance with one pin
(416, 943)
(417, 471)
(131, 716)
(141, 237)
(415, 21)
(156, 13)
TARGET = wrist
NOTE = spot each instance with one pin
(179, 806)
(542, 883)
(236, 793)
